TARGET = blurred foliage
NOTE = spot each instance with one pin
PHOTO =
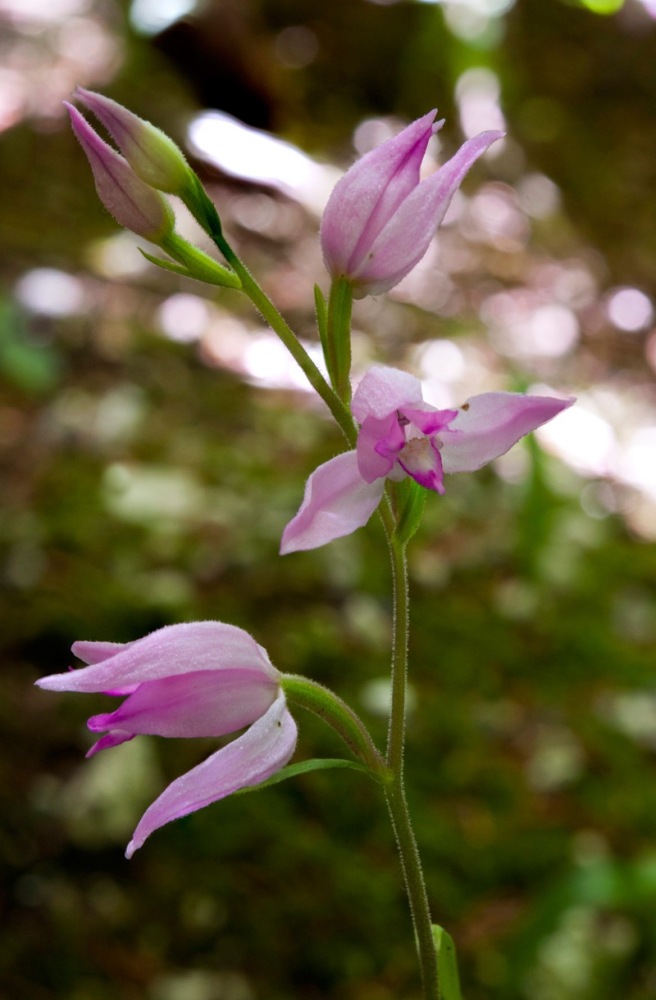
(145, 483)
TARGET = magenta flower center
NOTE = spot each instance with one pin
(420, 457)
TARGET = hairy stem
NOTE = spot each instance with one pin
(333, 710)
(395, 791)
(399, 678)
(415, 887)
(278, 324)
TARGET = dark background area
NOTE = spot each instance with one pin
(154, 444)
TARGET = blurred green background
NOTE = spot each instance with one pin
(154, 442)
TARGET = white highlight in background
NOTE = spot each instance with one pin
(256, 156)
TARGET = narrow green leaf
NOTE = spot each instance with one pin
(447, 965)
(199, 265)
(338, 337)
(316, 764)
(321, 309)
(200, 205)
(168, 265)
(215, 275)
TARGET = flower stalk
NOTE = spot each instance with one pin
(336, 713)
(415, 887)
(279, 325)
(413, 876)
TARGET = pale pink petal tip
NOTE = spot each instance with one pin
(337, 501)
(262, 750)
(381, 216)
(489, 424)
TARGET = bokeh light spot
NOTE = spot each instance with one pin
(256, 156)
(629, 309)
(152, 16)
(603, 6)
(477, 93)
(51, 292)
(539, 197)
(581, 438)
(184, 317)
(297, 46)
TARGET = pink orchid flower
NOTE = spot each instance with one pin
(401, 435)
(195, 679)
(380, 218)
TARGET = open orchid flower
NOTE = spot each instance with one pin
(195, 679)
(380, 217)
(401, 435)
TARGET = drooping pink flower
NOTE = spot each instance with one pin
(380, 218)
(197, 679)
(401, 435)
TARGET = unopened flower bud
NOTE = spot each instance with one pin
(153, 156)
(127, 197)
(380, 217)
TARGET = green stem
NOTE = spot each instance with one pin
(415, 888)
(333, 710)
(395, 790)
(396, 731)
(278, 324)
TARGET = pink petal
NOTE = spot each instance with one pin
(384, 390)
(488, 425)
(421, 460)
(132, 202)
(429, 421)
(262, 750)
(407, 235)
(365, 197)
(152, 155)
(337, 501)
(96, 652)
(379, 443)
(209, 703)
(394, 191)
(168, 652)
(113, 739)
(122, 125)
